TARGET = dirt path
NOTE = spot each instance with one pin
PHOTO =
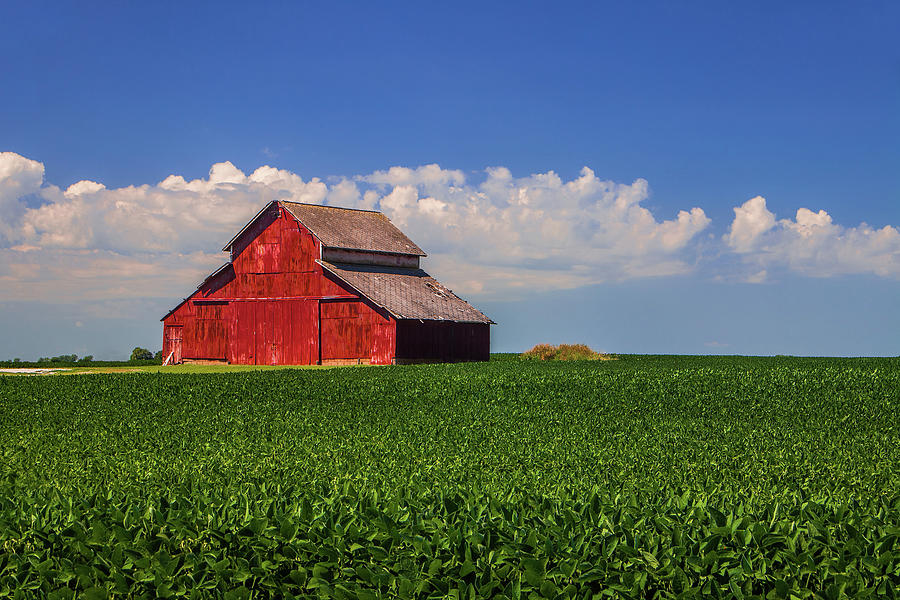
(34, 371)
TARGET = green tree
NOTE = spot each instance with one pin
(141, 354)
(64, 358)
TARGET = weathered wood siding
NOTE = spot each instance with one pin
(172, 342)
(273, 304)
(274, 332)
(350, 330)
(266, 307)
(444, 341)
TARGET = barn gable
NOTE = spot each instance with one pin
(299, 289)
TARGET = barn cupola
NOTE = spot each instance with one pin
(353, 236)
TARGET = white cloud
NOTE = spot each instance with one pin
(533, 233)
(90, 242)
(83, 187)
(811, 243)
(173, 216)
(499, 235)
(19, 177)
(751, 220)
(757, 277)
(427, 175)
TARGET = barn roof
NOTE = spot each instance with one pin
(352, 229)
(406, 293)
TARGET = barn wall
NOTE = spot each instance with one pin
(264, 308)
(384, 344)
(249, 235)
(280, 261)
(351, 329)
(442, 341)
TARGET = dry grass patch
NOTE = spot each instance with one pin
(564, 352)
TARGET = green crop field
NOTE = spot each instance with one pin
(643, 477)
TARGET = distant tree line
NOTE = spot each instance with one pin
(141, 356)
(64, 358)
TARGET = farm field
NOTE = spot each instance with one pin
(637, 478)
(168, 369)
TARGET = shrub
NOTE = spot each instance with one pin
(141, 354)
(563, 352)
(541, 352)
(576, 352)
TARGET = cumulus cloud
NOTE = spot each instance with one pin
(537, 232)
(496, 235)
(90, 242)
(427, 176)
(174, 215)
(810, 243)
(19, 177)
(751, 220)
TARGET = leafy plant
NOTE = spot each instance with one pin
(642, 477)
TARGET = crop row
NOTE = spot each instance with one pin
(287, 543)
(638, 477)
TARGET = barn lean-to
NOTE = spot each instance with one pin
(312, 284)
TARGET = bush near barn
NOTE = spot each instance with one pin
(564, 352)
(644, 477)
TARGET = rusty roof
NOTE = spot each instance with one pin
(352, 229)
(406, 293)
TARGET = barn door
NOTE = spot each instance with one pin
(346, 331)
(268, 324)
(241, 338)
(274, 332)
(267, 346)
(173, 341)
(268, 349)
(298, 332)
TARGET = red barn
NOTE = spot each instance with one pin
(309, 284)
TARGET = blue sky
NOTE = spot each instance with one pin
(672, 108)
